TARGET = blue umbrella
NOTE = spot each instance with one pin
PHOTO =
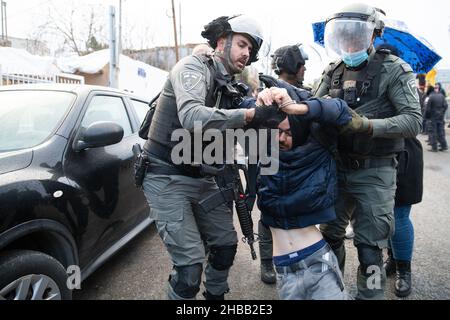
(414, 50)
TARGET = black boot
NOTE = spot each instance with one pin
(389, 264)
(268, 275)
(403, 279)
(209, 296)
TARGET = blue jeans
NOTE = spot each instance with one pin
(402, 242)
(317, 277)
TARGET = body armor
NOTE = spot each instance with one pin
(358, 88)
(223, 93)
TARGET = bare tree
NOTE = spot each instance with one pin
(137, 37)
(147, 38)
(82, 28)
(78, 29)
(36, 43)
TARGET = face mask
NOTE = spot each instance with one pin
(355, 59)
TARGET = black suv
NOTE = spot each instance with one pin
(67, 195)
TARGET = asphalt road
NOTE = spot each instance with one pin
(140, 270)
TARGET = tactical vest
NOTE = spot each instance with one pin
(223, 93)
(357, 87)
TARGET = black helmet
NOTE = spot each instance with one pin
(224, 25)
(289, 59)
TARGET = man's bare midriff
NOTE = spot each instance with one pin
(288, 241)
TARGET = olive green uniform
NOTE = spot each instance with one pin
(367, 179)
(189, 96)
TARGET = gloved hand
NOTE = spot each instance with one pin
(358, 123)
(266, 116)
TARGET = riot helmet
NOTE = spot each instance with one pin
(242, 24)
(289, 59)
(349, 33)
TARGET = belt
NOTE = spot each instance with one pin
(292, 268)
(173, 171)
(160, 162)
(356, 164)
(165, 170)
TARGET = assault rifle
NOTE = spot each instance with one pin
(232, 190)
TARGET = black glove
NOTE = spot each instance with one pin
(266, 116)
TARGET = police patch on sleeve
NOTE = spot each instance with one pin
(190, 79)
(413, 88)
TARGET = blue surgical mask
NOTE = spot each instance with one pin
(355, 59)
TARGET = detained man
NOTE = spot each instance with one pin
(302, 194)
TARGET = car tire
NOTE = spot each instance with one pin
(32, 275)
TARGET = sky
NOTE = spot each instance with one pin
(284, 21)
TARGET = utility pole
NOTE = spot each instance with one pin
(179, 21)
(177, 56)
(119, 36)
(119, 41)
(113, 83)
(3, 30)
(4, 21)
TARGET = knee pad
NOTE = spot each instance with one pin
(185, 280)
(221, 258)
(369, 256)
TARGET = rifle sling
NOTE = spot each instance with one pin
(218, 198)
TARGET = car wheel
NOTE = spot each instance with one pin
(32, 275)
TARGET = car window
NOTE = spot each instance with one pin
(28, 117)
(141, 109)
(107, 108)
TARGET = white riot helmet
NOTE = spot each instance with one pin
(349, 33)
(236, 24)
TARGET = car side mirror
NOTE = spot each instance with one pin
(98, 134)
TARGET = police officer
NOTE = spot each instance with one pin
(436, 106)
(288, 62)
(199, 88)
(381, 89)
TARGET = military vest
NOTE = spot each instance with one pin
(223, 93)
(358, 87)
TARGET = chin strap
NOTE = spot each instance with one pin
(227, 55)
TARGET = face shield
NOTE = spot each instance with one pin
(344, 37)
(303, 52)
(316, 63)
(265, 49)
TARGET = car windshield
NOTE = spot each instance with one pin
(28, 118)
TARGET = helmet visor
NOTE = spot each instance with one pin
(303, 52)
(348, 36)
